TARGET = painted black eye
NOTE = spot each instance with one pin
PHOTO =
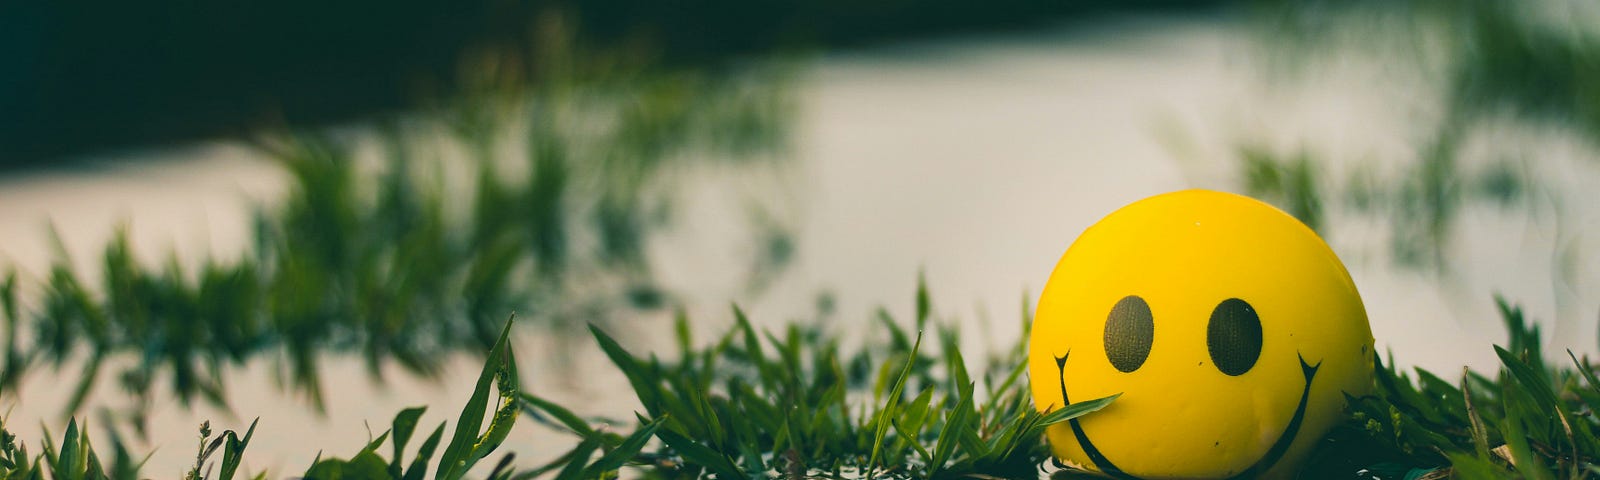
(1234, 336)
(1129, 333)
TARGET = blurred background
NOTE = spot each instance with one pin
(322, 213)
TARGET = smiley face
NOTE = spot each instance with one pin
(1230, 329)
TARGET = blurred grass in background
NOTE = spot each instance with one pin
(1493, 74)
(410, 244)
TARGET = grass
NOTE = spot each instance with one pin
(797, 404)
(1531, 419)
(375, 252)
(1422, 205)
(805, 408)
(1491, 61)
(1494, 80)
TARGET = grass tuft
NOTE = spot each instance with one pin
(795, 404)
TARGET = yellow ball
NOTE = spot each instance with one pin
(1230, 329)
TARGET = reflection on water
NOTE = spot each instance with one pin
(978, 160)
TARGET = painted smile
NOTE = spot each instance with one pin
(1261, 465)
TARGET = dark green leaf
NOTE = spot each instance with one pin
(404, 424)
(622, 453)
(419, 465)
(233, 453)
(534, 405)
(578, 458)
(698, 454)
(458, 455)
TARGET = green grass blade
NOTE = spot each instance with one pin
(913, 433)
(1527, 463)
(683, 333)
(68, 463)
(404, 424)
(366, 466)
(372, 445)
(578, 458)
(643, 384)
(916, 414)
(1533, 382)
(945, 446)
(891, 407)
(458, 454)
(534, 405)
(1076, 410)
(961, 380)
(694, 452)
(505, 416)
(233, 452)
(419, 465)
(924, 304)
(1480, 432)
(744, 438)
(752, 347)
(1586, 370)
(95, 471)
(1467, 467)
(630, 447)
